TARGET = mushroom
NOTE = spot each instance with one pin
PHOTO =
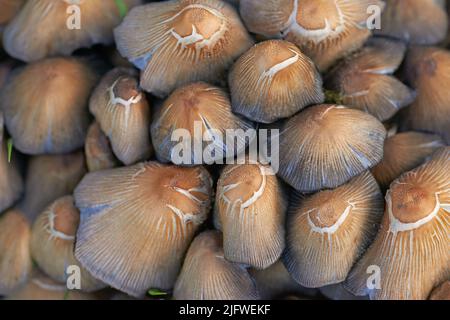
(416, 21)
(325, 30)
(250, 208)
(364, 81)
(69, 25)
(328, 231)
(207, 275)
(275, 282)
(123, 113)
(53, 241)
(338, 292)
(410, 254)
(274, 80)
(327, 145)
(202, 114)
(41, 287)
(8, 9)
(15, 259)
(11, 185)
(426, 69)
(181, 41)
(45, 105)
(50, 177)
(442, 292)
(97, 148)
(136, 223)
(403, 152)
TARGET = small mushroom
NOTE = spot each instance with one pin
(15, 259)
(11, 184)
(53, 241)
(41, 287)
(250, 208)
(327, 232)
(99, 155)
(275, 282)
(325, 30)
(403, 152)
(442, 292)
(426, 69)
(327, 145)
(69, 25)
(364, 81)
(45, 105)
(123, 113)
(50, 177)
(181, 41)
(136, 223)
(416, 21)
(274, 80)
(203, 112)
(410, 251)
(207, 275)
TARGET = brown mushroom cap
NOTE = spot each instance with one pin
(25, 40)
(427, 70)
(364, 80)
(50, 177)
(53, 241)
(274, 80)
(442, 292)
(403, 152)
(181, 41)
(250, 208)
(207, 275)
(137, 222)
(327, 145)
(97, 148)
(417, 21)
(328, 231)
(198, 105)
(45, 105)
(15, 259)
(411, 248)
(325, 30)
(123, 113)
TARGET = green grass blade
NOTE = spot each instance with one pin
(123, 9)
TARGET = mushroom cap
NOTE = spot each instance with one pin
(364, 80)
(123, 112)
(23, 37)
(200, 110)
(45, 105)
(41, 287)
(411, 248)
(53, 241)
(8, 9)
(181, 41)
(50, 177)
(11, 184)
(327, 232)
(207, 275)
(274, 80)
(327, 145)
(427, 70)
(15, 259)
(442, 292)
(250, 207)
(275, 282)
(416, 21)
(325, 30)
(137, 222)
(403, 152)
(338, 292)
(99, 155)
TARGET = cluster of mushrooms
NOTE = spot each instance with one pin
(86, 179)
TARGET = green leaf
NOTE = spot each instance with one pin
(156, 293)
(10, 148)
(123, 9)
